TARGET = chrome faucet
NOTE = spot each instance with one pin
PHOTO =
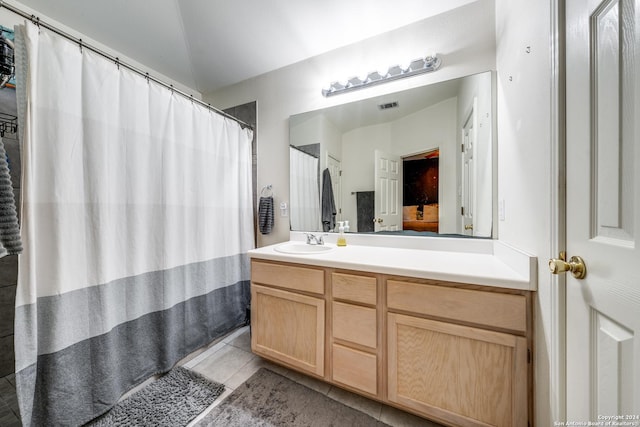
(312, 239)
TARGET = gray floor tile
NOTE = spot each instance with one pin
(7, 415)
(12, 379)
(6, 388)
(355, 401)
(245, 372)
(10, 421)
(8, 397)
(188, 358)
(224, 363)
(398, 418)
(312, 383)
(8, 270)
(242, 341)
(278, 369)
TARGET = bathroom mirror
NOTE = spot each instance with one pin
(416, 162)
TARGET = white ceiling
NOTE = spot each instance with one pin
(365, 112)
(210, 44)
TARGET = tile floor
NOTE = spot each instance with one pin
(230, 361)
(9, 413)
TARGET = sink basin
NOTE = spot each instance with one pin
(302, 248)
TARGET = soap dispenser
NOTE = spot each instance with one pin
(346, 226)
(342, 241)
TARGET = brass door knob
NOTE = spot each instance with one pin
(468, 227)
(575, 265)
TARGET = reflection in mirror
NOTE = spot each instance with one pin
(417, 162)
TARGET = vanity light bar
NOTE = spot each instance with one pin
(395, 72)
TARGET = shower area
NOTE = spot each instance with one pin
(137, 211)
(8, 264)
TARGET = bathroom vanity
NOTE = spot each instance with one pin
(441, 333)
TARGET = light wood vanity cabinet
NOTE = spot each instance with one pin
(454, 353)
(458, 373)
(288, 324)
(354, 332)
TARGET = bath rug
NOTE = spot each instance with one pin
(171, 401)
(269, 399)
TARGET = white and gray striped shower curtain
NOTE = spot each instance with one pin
(136, 220)
(304, 191)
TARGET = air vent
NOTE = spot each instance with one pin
(388, 105)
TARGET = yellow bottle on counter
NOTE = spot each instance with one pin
(342, 241)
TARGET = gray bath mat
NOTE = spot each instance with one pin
(269, 399)
(172, 401)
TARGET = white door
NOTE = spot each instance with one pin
(335, 170)
(468, 176)
(603, 210)
(388, 184)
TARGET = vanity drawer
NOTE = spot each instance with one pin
(355, 324)
(355, 368)
(492, 309)
(288, 276)
(351, 287)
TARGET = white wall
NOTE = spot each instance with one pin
(524, 167)
(307, 132)
(465, 39)
(434, 127)
(331, 144)
(478, 87)
(8, 19)
(358, 148)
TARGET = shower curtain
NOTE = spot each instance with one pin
(136, 219)
(305, 191)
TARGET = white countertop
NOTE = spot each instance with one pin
(473, 261)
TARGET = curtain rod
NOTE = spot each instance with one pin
(36, 20)
(302, 151)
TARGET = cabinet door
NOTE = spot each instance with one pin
(288, 327)
(355, 324)
(355, 368)
(461, 375)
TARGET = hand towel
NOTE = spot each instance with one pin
(265, 215)
(10, 242)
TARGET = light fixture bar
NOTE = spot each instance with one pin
(418, 66)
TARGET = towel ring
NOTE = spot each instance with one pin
(266, 191)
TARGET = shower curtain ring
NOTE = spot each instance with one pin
(147, 77)
(36, 21)
(80, 44)
(117, 62)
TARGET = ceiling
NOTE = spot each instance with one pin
(209, 44)
(366, 112)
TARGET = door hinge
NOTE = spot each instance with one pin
(339, 173)
(462, 147)
(339, 210)
(462, 210)
(528, 355)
